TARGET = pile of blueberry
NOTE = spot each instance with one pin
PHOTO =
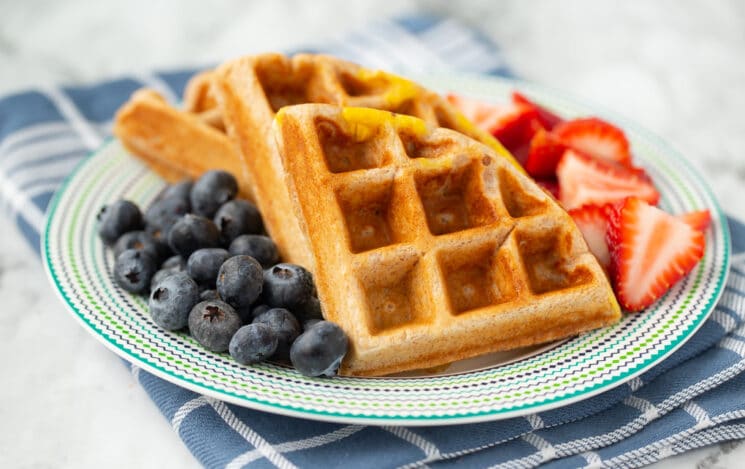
(202, 257)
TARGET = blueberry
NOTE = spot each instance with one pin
(171, 265)
(163, 214)
(193, 232)
(319, 350)
(176, 263)
(138, 240)
(205, 295)
(239, 281)
(288, 286)
(204, 264)
(238, 217)
(159, 276)
(310, 323)
(309, 309)
(212, 190)
(118, 218)
(213, 323)
(253, 343)
(180, 190)
(261, 248)
(172, 299)
(258, 310)
(133, 270)
(284, 325)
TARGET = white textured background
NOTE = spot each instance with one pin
(676, 67)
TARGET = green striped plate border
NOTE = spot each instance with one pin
(506, 385)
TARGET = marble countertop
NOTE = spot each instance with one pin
(674, 67)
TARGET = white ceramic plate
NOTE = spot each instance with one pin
(487, 388)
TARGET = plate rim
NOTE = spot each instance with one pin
(408, 420)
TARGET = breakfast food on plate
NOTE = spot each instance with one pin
(175, 143)
(588, 165)
(429, 247)
(428, 240)
(228, 300)
(250, 91)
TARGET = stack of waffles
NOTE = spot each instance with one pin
(427, 241)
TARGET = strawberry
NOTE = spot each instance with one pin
(547, 118)
(586, 180)
(485, 116)
(549, 185)
(512, 124)
(699, 220)
(650, 251)
(592, 221)
(544, 154)
(596, 138)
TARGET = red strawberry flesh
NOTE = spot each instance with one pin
(547, 118)
(544, 154)
(512, 124)
(650, 252)
(585, 180)
(592, 221)
(699, 220)
(595, 137)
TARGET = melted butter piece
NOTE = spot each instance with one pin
(398, 90)
(365, 122)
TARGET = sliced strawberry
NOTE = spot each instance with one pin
(485, 116)
(699, 220)
(650, 251)
(547, 118)
(596, 138)
(544, 154)
(549, 185)
(592, 221)
(586, 180)
(512, 124)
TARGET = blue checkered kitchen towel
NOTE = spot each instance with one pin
(694, 398)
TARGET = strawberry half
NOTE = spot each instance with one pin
(549, 185)
(544, 154)
(699, 220)
(585, 180)
(547, 118)
(650, 251)
(592, 221)
(596, 138)
(512, 124)
(485, 116)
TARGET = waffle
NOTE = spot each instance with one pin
(252, 89)
(179, 144)
(429, 247)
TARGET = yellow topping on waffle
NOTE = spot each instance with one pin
(365, 122)
(398, 89)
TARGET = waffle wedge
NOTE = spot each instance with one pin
(428, 246)
(179, 144)
(250, 91)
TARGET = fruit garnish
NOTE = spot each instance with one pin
(595, 137)
(550, 185)
(512, 124)
(592, 221)
(587, 165)
(699, 220)
(586, 180)
(650, 251)
(547, 118)
(544, 154)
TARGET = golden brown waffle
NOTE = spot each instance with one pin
(429, 247)
(178, 144)
(251, 90)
